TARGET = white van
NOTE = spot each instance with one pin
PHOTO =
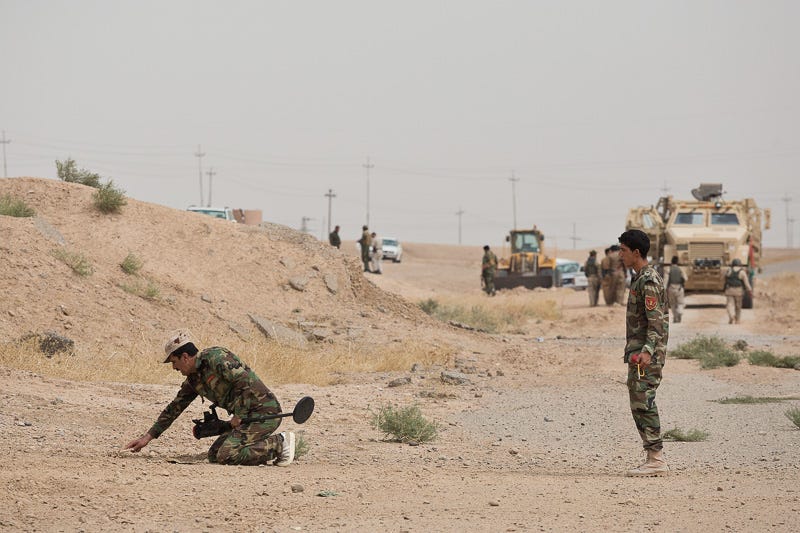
(225, 213)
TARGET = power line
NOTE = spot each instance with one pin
(514, 181)
(330, 197)
(210, 173)
(4, 142)
(368, 166)
(199, 155)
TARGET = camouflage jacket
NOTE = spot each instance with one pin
(225, 380)
(489, 262)
(647, 319)
(590, 268)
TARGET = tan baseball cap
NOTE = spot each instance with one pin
(176, 339)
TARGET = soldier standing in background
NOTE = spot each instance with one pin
(488, 266)
(647, 333)
(592, 271)
(675, 282)
(334, 238)
(605, 277)
(736, 283)
(618, 276)
(366, 244)
(376, 253)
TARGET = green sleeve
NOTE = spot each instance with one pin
(185, 396)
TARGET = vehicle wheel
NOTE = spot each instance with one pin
(397, 260)
(747, 301)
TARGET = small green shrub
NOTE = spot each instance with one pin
(300, 446)
(755, 399)
(108, 198)
(76, 261)
(429, 306)
(793, 414)
(693, 435)
(712, 352)
(14, 207)
(404, 424)
(68, 171)
(131, 264)
(148, 290)
(767, 358)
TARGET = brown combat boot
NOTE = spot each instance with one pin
(654, 466)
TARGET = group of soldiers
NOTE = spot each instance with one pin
(371, 248)
(610, 275)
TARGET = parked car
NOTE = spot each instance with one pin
(225, 213)
(570, 274)
(392, 249)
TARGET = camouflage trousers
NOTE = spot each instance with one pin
(676, 299)
(593, 289)
(488, 282)
(251, 444)
(642, 393)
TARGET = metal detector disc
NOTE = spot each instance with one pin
(303, 409)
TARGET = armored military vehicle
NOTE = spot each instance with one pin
(706, 234)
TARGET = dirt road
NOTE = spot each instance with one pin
(538, 441)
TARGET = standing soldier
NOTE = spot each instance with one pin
(647, 332)
(488, 266)
(736, 283)
(618, 276)
(675, 282)
(366, 243)
(376, 254)
(334, 238)
(592, 271)
(606, 277)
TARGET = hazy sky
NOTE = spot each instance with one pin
(595, 106)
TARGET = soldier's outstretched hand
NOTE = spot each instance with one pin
(138, 444)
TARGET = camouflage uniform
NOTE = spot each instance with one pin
(488, 266)
(618, 275)
(736, 283)
(675, 283)
(592, 271)
(366, 245)
(647, 330)
(225, 380)
(606, 280)
(334, 239)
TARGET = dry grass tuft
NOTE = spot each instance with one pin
(505, 313)
(274, 363)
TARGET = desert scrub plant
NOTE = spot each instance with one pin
(109, 198)
(14, 207)
(147, 290)
(693, 435)
(300, 446)
(712, 352)
(76, 261)
(793, 414)
(756, 399)
(404, 424)
(498, 315)
(767, 358)
(67, 170)
(131, 264)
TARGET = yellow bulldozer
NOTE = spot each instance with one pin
(527, 266)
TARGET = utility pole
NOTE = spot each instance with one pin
(514, 181)
(304, 224)
(791, 233)
(4, 142)
(787, 199)
(330, 197)
(210, 175)
(368, 166)
(458, 214)
(574, 237)
(199, 155)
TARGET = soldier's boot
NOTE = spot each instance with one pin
(654, 466)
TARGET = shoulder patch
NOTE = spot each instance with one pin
(650, 302)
